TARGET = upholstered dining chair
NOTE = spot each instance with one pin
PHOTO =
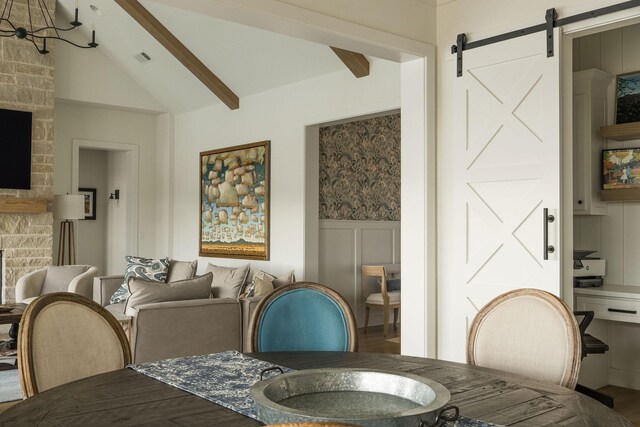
(528, 332)
(303, 316)
(77, 279)
(64, 337)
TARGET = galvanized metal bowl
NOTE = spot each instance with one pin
(367, 397)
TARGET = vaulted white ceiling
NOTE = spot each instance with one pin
(246, 59)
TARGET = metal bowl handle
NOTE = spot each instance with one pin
(443, 415)
(273, 368)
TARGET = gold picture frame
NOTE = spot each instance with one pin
(234, 201)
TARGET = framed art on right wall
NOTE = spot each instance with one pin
(621, 168)
(628, 98)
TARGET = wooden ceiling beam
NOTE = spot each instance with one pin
(143, 17)
(356, 62)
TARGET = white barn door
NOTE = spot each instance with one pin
(507, 171)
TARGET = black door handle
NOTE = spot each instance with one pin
(548, 249)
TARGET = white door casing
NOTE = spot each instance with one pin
(507, 170)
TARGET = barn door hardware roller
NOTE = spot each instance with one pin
(551, 22)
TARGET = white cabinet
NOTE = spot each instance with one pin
(610, 302)
(590, 110)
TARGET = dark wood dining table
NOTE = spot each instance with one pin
(126, 397)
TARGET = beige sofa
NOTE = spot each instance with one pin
(180, 328)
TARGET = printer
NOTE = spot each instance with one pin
(587, 271)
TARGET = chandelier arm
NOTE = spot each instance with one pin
(4, 9)
(8, 22)
(56, 29)
(50, 23)
(10, 9)
(34, 44)
(29, 14)
(64, 40)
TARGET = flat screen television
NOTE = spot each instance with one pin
(15, 149)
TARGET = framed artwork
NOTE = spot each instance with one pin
(89, 202)
(234, 202)
(628, 98)
(621, 168)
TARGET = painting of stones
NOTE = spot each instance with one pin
(234, 202)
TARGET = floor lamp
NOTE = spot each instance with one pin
(67, 207)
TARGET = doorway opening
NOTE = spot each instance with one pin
(353, 187)
(110, 168)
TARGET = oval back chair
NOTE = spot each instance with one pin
(528, 332)
(64, 337)
(303, 316)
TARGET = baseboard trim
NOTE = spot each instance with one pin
(624, 378)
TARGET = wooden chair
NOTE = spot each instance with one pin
(303, 316)
(384, 299)
(527, 332)
(64, 337)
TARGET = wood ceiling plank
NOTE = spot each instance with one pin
(143, 17)
(356, 62)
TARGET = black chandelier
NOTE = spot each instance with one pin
(39, 36)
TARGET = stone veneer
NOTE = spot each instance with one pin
(26, 83)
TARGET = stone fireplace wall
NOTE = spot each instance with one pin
(26, 84)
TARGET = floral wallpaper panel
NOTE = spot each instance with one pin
(360, 170)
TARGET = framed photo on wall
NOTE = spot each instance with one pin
(89, 202)
(628, 98)
(621, 168)
(234, 202)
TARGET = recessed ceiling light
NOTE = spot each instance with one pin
(142, 57)
(96, 9)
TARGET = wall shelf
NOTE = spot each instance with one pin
(620, 195)
(621, 132)
(22, 205)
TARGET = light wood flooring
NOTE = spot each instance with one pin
(374, 342)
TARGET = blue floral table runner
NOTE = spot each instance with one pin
(225, 379)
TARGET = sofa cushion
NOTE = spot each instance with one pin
(145, 292)
(285, 279)
(149, 269)
(117, 310)
(263, 283)
(59, 277)
(153, 270)
(227, 281)
(181, 270)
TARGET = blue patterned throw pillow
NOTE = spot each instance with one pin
(154, 270)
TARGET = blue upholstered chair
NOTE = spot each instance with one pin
(303, 316)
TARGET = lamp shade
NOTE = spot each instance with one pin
(68, 206)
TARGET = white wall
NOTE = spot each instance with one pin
(280, 115)
(87, 75)
(616, 235)
(110, 125)
(413, 19)
(92, 233)
(344, 246)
